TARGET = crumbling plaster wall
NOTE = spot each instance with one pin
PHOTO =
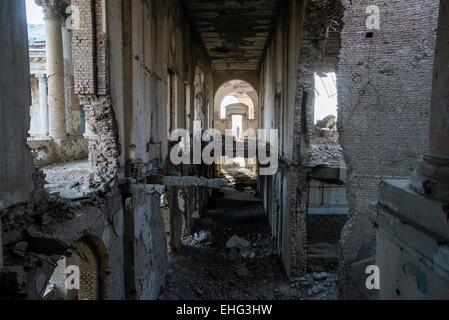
(384, 91)
(319, 36)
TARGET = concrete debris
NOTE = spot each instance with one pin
(318, 288)
(185, 181)
(243, 271)
(198, 239)
(325, 132)
(20, 248)
(237, 242)
(329, 122)
(69, 180)
(249, 269)
(148, 188)
(320, 154)
(320, 276)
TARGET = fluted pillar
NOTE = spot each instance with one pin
(54, 15)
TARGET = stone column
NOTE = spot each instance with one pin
(67, 77)
(43, 104)
(54, 16)
(431, 175)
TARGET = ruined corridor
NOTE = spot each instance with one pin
(224, 150)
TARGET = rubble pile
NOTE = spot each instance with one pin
(70, 180)
(325, 131)
(232, 255)
(325, 154)
(324, 145)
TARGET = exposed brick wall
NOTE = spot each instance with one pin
(88, 272)
(89, 49)
(101, 62)
(384, 90)
(83, 48)
(92, 86)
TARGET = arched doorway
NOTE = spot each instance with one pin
(82, 273)
(236, 114)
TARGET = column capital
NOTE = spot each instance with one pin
(54, 9)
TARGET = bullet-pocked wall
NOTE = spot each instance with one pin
(384, 96)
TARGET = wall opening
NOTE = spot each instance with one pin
(236, 105)
(58, 135)
(325, 96)
(228, 100)
(237, 125)
(327, 207)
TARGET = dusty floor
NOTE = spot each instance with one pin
(205, 268)
(70, 180)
